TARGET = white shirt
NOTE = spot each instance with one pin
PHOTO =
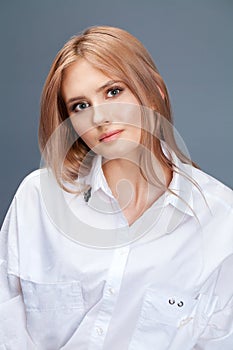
(169, 287)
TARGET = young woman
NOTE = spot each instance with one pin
(120, 242)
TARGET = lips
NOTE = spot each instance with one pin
(109, 136)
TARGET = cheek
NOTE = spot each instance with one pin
(89, 138)
(138, 135)
(80, 125)
(83, 130)
(135, 136)
(129, 114)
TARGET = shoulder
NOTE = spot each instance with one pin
(31, 183)
(214, 191)
(40, 190)
(213, 203)
(213, 208)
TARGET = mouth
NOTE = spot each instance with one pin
(110, 136)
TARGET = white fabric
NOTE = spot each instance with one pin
(169, 289)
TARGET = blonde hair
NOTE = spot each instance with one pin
(115, 52)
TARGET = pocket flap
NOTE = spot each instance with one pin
(170, 307)
(50, 296)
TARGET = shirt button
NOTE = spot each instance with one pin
(99, 330)
(111, 290)
(180, 304)
(171, 301)
(185, 321)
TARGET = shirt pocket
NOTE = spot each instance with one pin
(163, 314)
(53, 311)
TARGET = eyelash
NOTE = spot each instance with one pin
(74, 106)
(115, 88)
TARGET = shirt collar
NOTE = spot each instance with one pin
(181, 184)
(95, 178)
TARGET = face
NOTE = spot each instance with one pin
(103, 110)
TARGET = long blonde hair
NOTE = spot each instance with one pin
(115, 52)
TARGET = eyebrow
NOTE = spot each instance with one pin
(108, 83)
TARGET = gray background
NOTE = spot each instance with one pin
(190, 41)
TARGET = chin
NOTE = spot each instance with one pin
(123, 149)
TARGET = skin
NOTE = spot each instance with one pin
(106, 114)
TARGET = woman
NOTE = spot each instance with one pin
(121, 242)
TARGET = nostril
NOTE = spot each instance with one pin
(101, 114)
(100, 119)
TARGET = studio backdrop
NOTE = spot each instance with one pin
(190, 42)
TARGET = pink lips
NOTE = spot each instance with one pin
(110, 136)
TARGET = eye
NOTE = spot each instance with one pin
(77, 107)
(114, 91)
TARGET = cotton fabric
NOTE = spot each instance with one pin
(170, 288)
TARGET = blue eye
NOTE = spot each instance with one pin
(114, 91)
(80, 106)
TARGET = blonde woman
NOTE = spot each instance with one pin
(120, 241)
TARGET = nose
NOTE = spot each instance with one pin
(101, 115)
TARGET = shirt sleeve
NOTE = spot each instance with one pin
(13, 330)
(219, 331)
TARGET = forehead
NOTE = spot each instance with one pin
(82, 78)
(81, 71)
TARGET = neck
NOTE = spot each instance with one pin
(132, 191)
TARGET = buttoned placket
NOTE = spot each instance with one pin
(110, 297)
